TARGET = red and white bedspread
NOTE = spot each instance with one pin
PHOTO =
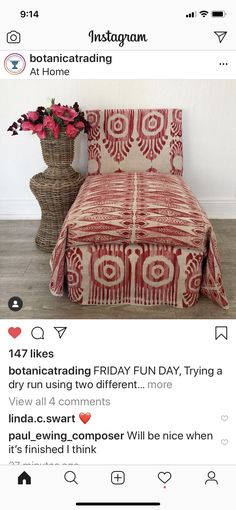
(139, 238)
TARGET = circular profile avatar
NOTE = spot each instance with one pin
(14, 63)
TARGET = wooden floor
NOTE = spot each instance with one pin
(24, 272)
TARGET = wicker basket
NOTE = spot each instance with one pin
(58, 154)
(55, 189)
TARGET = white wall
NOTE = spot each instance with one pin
(209, 133)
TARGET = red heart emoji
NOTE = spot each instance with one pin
(85, 417)
(14, 332)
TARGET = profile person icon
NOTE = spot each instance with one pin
(211, 477)
(15, 304)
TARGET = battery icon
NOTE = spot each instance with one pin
(218, 14)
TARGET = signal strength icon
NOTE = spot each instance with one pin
(204, 13)
(192, 14)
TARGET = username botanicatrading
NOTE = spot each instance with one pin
(120, 38)
(80, 59)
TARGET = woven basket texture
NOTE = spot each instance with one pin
(55, 189)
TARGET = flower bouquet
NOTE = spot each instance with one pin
(51, 121)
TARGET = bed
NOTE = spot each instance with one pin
(136, 234)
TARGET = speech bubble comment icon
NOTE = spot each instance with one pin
(37, 333)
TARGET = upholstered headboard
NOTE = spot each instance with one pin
(135, 141)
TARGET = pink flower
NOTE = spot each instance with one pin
(35, 128)
(42, 134)
(79, 125)
(64, 112)
(49, 122)
(39, 130)
(71, 131)
(33, 116)
(27, 125)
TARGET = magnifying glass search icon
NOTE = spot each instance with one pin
(70, 477)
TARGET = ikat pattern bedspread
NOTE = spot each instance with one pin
(138, 238)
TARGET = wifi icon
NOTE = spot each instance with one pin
(204, 13)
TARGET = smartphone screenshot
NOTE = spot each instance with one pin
(117, 255)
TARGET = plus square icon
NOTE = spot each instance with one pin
(117, 477)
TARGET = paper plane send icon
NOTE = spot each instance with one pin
(220, 35)
(60, 331)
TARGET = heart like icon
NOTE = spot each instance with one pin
(164, 477)
(224, 417)
(14, 332)
(224, 442)
(85, 417)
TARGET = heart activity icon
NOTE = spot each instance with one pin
(164, 476)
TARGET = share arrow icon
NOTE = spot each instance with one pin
(220, 35)
(60, 331)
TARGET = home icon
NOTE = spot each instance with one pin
(24, 478)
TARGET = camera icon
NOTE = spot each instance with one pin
(13, 37)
